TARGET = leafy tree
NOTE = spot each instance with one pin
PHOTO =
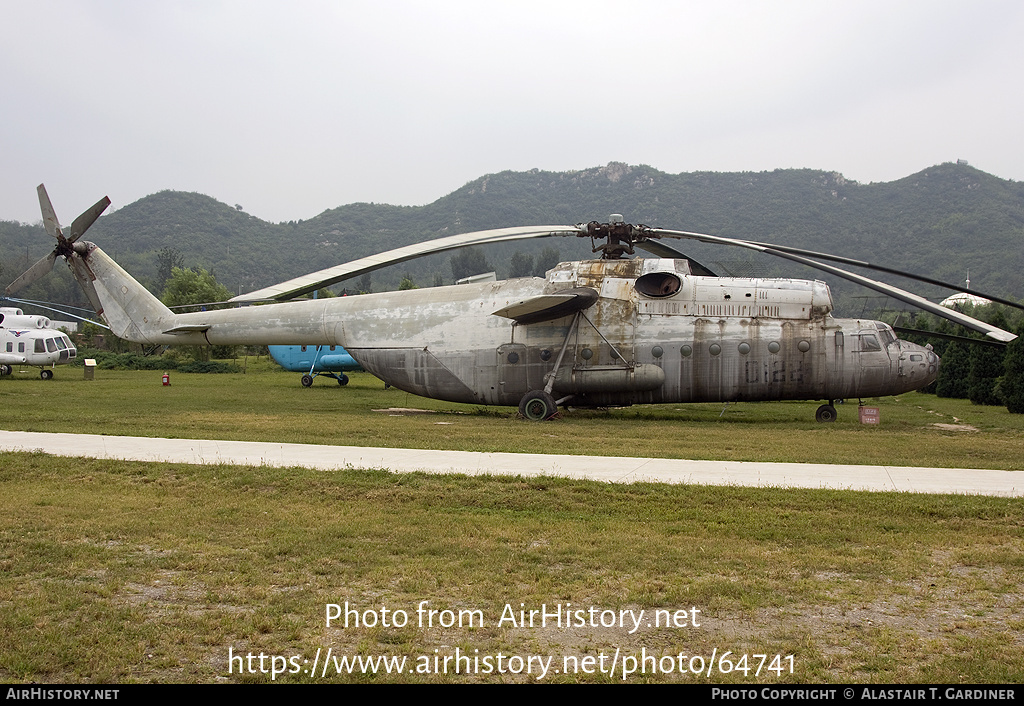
(167, 259)
(407, 283)
(521, 265)
(200, 288)
(548, 258)
(193, 287)
(469, 262)
(1012, 386)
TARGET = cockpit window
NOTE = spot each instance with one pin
(869, 342)
(51, 345)
(60, 343)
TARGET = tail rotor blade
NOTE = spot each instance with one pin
(87, 218)
(50, 221)
(40, 269)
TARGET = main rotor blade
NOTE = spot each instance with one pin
(87, 218)
(331, 275)
(40, 269)
(894, 292)
(50, 221)
(888, 270)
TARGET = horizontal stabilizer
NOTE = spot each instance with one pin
(191, 328)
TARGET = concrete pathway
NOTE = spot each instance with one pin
(603, 468)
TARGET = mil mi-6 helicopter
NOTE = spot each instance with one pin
(606, 332)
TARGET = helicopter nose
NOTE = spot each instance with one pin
(919, 365)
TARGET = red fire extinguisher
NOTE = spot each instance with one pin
(167, 379)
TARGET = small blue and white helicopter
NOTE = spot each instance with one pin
(332, 361)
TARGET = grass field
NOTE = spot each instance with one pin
(119, 571)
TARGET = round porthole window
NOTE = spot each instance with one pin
(744, 348)
(586, 354)
(774, 347)
(804, 346)
(657, 351)
(714, 349)
(513, 357)
(686, 351)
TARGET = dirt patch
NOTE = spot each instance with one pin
(954, 427)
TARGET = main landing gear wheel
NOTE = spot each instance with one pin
(826, 413)
(343, 379)
(46, 374)
(538, 406)
(307, 380)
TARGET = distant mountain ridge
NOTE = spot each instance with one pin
(940, 222)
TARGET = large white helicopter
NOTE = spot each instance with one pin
(612, 331)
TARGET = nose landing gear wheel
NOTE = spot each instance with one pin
(538, 406)
(46, 374)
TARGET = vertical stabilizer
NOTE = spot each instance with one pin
(129, 309)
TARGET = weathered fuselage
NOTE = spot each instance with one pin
(709, 339)
(647, 332)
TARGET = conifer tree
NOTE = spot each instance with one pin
(986, 368)
(953, 371)
(1013, 374)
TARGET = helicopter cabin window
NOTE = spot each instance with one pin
(869, 342)
(21, 346)
(658, 284)
(886, 334)
(10, 347)
(839, 339)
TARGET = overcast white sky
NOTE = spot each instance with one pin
(290, 108)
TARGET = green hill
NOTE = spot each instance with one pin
(939, 222)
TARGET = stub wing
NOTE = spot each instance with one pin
(547, 307)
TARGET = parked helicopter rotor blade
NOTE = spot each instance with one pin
(81, 224)
(894, 292)
(323, 278)
(50, 221)
(87, 218)
(40, 269)
(888, 270)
